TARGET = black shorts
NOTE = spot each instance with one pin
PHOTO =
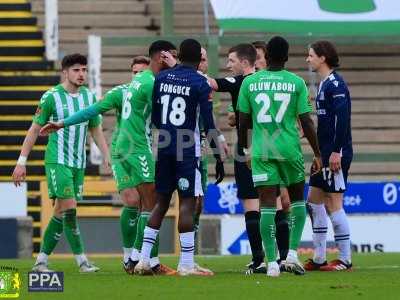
(183, 175)
(244, 181)
(330, 182)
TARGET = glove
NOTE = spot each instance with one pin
(219, 171)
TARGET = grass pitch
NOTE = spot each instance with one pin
(375, 276)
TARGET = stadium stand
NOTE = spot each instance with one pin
(24, 76)
(372, 71)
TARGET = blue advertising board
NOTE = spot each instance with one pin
(360, 197)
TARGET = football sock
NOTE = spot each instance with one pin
(187, 249)
(42, 258)
(154, 250)
(297, 221)
(320, 228)
(252, 219)
(141, 224)
(267, 225)
(342, 234)
(52, 235)
(72, 232)
(282, 233)
(149, 239)
(128, 223)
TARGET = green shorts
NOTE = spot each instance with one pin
(204, 172)
(121, 176)
(64, 182)
(140, 167)
(277, 172)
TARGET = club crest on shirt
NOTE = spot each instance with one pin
(183, 184)
(230, 79)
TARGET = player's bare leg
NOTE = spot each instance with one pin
(151, 235)
(186, 264)
(267, 196)
(319, 219)
(147, 203)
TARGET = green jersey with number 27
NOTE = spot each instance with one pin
(274, 99)
(135, 132)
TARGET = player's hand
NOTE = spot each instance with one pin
(19, 174)
(51, 127)
(107, 165)
(168, 59)
(219, 171)
(335, 162)
(316, 165)
(231, 119)
(225, 148)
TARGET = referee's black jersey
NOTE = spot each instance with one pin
(231, 85)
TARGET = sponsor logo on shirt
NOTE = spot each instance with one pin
(260, 177)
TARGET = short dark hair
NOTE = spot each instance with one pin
(140, 59)
(328, 50)
(245, 51)
(72, 59)
(190, 51)
(278, 50)
(260, 45)
(160, 45)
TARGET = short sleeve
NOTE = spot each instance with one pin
(228, 84)
(111, 100)
(303, 103)
(96, 121)
(44, 110)
(243, 104)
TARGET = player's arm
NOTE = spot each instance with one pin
(109, 102)
(156, 107)
(43, 113)
(231, 116)
(303, 111)
(210, 130)
(226, 84)
(340, 106)
(99, 139)
(244, 108)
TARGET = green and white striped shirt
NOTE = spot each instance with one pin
(66, 146)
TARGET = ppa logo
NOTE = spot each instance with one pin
(45, 282)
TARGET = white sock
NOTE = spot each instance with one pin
(127, 253)
(80, 259)
(187, 249)
(149, 238)
(292, 253)
(341, 229)
(320, 229)
(154, 261)
(135, 254)
(42, 258)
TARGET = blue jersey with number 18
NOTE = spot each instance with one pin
(181, 95)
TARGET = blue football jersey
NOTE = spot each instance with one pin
(334, 117)
(180, 97)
